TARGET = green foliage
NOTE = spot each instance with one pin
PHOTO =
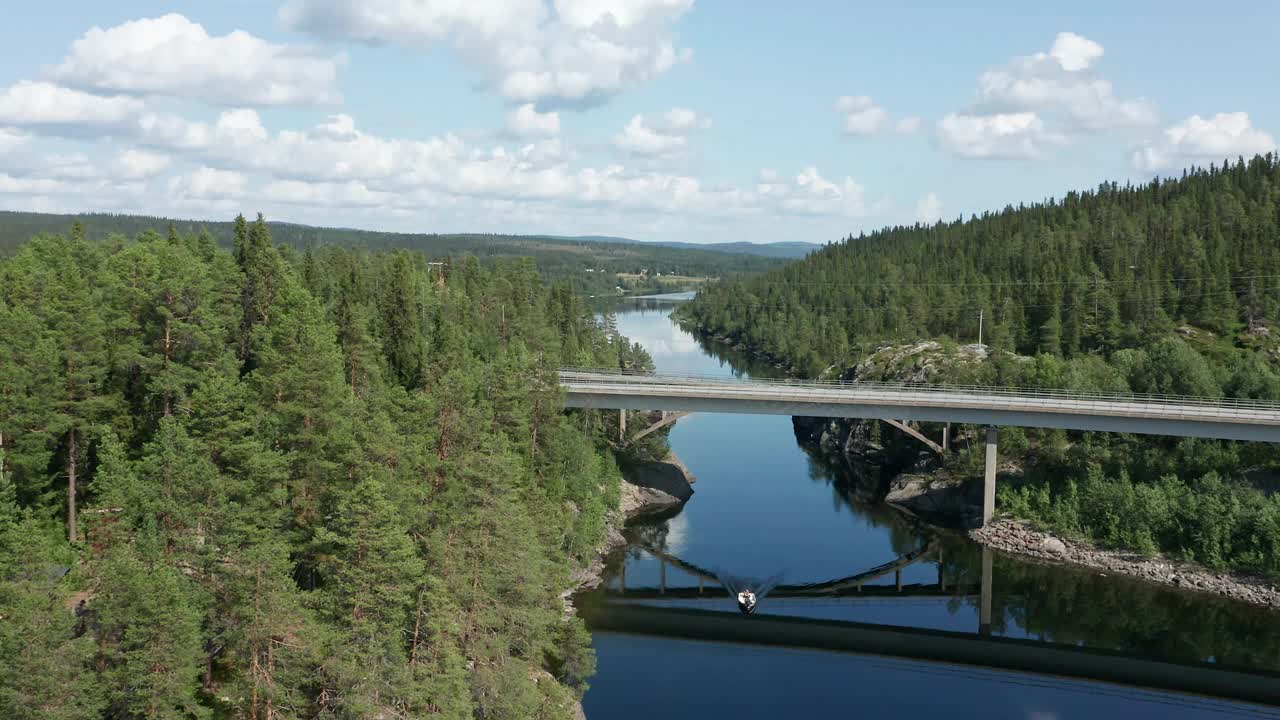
(1217, 522)
(331, 484)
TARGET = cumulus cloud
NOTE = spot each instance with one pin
(664, 134)
(862, 116)
(1199, 140)
(1020, 135)
(208, 183)
(810, 193)
(929, 208)
(573, 53)
(1074, 52)
(1037, 101)
(1059, 82)
(22, 185)
(28, 103)
(140, 164)
(174, 56)
(526, 121)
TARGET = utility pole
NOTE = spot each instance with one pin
(980, 326)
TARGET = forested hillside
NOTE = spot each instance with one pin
(276, 485)
(591, 265)
(1171, 287)
(1094, 272)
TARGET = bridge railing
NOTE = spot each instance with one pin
(611, 375)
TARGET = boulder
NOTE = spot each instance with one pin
(934, 497)
(654, 486)
(1053, 545)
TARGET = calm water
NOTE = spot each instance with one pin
(763, 506)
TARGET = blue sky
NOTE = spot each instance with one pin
(655, 119)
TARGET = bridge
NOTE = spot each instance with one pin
(1215, 418)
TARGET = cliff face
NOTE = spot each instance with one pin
(885, 463)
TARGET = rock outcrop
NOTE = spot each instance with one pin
(655, 486)
(941, 500)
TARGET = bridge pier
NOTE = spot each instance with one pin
(984, 599)
(942, 581)
(622, 425)
(946, 437)
(989, 482)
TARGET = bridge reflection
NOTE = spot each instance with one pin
(613, 610)
(858, 585)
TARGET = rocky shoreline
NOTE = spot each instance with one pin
(1018, 538)
(647, 488)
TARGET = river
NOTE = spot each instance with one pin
(763, 506)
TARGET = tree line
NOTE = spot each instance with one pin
(268, 484)
(556, 258)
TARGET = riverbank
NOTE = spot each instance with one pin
(647, 488)
(1015, 537)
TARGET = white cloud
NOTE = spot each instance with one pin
(1196, 140)
(664, 134)
(140, 165)
(11, 139)
(28, 103)
(75, 166)
(811, 194)
(862, 117)
(526, 121)
(1074, 52)
(929, 208)
(209, 184)
(336, 172)
(578, 53)
(1057, 82)
(174, 56)
(22, 185)
(1003, 136)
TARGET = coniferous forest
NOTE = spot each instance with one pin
(277, 485)
(590, 265)
(1172, 288)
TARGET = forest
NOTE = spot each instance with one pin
(589, 265)
(261, 483)
(1171, 287)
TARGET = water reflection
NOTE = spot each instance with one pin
(763, 503)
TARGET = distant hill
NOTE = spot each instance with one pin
(592, 264)
(788, 250)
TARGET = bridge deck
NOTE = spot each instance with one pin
(1229, 419)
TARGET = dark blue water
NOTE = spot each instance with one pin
(762, 505)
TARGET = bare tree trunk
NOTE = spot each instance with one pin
(167, 346)
(71, 488)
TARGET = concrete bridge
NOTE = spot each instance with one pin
(1226, 419)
